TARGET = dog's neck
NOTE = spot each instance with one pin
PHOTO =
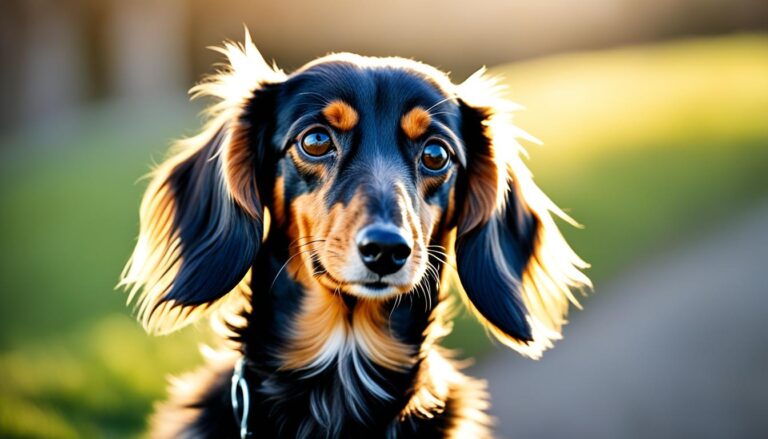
(347, 359)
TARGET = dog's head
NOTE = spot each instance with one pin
(368, 154)
(367, 166)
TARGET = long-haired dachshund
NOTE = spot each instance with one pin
(324, 213)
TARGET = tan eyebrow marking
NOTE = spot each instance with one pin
(341, 115)
(415, 122)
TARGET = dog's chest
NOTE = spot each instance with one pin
(329, 329)
(337, 366)
(344, 367)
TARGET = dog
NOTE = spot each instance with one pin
(324, 217)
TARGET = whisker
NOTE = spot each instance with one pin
(429, 298)
(440, 102)
(444, 258)
(440, 112)
(306, 243)
(439, 252)
(283, 267)
(435, 274)
(295, 243)
(303, 237)
(337, 290)
(323, 99)
(440, 259)
(423, 291)
(395, 305)
(315, 257)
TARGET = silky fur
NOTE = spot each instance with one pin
(415, 122)
(231, 222)
(340, 115)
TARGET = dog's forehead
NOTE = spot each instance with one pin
(385, 90)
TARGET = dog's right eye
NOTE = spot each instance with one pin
(316, 142)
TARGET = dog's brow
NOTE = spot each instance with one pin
(340, 115)
(415, 122)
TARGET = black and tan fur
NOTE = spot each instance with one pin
(241, 215)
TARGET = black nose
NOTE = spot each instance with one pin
(384, 249)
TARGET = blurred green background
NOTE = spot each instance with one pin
(649, 130)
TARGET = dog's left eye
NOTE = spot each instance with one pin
(434, 156)
(316, 142)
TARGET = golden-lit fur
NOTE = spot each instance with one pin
(239, 173)
(439, 381)
(151, 270)
(371, 333)
(484, 195)
(326, 328)
(340, 115)
(415, 122)
(156, 258)
(173, 418)
(554, 268)
(319, 333)
(278, 204)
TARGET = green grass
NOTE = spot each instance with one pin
(74, 362)
(642, 146)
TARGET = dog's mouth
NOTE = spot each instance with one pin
(376, 289)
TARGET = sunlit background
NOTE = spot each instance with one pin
(654, 118)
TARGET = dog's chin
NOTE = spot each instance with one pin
(374, 290)
(380, 290)
(363, 290)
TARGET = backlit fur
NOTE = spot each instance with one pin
(240, 220)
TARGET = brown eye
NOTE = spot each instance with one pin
(434, 157)
(316, 143)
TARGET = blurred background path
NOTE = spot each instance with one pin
(673, 348)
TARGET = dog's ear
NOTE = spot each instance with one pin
(514, 265)
(202, 219)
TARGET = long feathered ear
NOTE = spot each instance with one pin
(514, 265)
(202, 217)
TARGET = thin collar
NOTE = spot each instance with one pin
(239, 391)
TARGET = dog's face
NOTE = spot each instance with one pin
(365, 177)
(369, 168)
